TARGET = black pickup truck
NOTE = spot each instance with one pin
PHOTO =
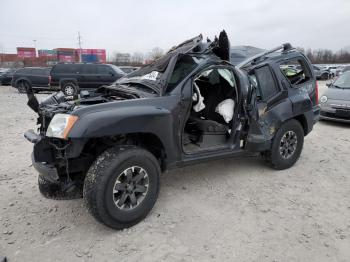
(191, 105)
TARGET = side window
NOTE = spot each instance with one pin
(38, 72)
(296, 70)
(34, 72)
(89, 69)
(103, 70)
(66, 68)
(267, 86)
(21, 71)
(58, 69)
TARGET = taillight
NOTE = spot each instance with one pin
(316, 93)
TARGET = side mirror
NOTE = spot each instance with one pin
(111, 73)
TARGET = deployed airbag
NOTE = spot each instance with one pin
(225, 109)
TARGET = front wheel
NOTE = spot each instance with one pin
(122, 186)
(286, 146)
(69, 89)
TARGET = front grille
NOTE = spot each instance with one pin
(337, 114)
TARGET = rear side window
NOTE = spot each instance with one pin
(66, 68)
(39, 72)
(266, 83)
(89, 69)
(23, 71)
(296, 70)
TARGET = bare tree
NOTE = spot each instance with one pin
(137, 58)
(156, 53)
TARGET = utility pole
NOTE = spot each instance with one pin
(35, 46)
(79, 43)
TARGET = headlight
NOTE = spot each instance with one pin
(60, 125)
(323, 99)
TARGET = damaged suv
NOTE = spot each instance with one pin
(110, 146)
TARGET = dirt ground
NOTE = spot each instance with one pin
(228, 210)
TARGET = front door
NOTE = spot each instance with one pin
(211, 116)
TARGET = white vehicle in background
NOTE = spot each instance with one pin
(321, 72)
(344, 69)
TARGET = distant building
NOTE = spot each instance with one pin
(26, 56)
(26, 52)
(122, 58)
(47, 53)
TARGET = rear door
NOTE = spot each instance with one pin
(267, 106)
(105, 75)
(300, 82)
(40, 77)
(88, 77)
(65, 71)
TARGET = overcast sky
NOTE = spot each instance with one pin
(129, 26)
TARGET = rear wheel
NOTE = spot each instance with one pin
(122, 186)
(286, 146)
(22, 86)
(325, 76)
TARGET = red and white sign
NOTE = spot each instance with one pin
(66, 58)
(26, 54)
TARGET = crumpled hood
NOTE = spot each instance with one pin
(338, 94)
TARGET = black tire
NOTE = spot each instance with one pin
(101, 180)
(22, 86)
(69, 89)
(58, 190)
(325, 76)
(278, 153)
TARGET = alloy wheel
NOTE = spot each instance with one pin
(130, 188)
(288, 144)
(69, 90)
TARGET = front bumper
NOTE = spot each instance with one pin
(334, 114)
(47, 170)
(53, 158)
(44, 168)
(316, 110)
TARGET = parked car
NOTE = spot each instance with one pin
(191, 105)
(2, 72)
(334, 71)
(345, 69)
(36, 77)
(335, 102)
(6, 76)
(321, 72)
(73, 77)
(128, 69)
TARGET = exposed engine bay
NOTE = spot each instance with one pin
(59, 103)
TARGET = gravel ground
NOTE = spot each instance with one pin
(228, 210)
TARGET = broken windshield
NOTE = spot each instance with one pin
(184, 66)
(149, 75)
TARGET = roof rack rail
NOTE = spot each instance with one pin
(284, 48)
